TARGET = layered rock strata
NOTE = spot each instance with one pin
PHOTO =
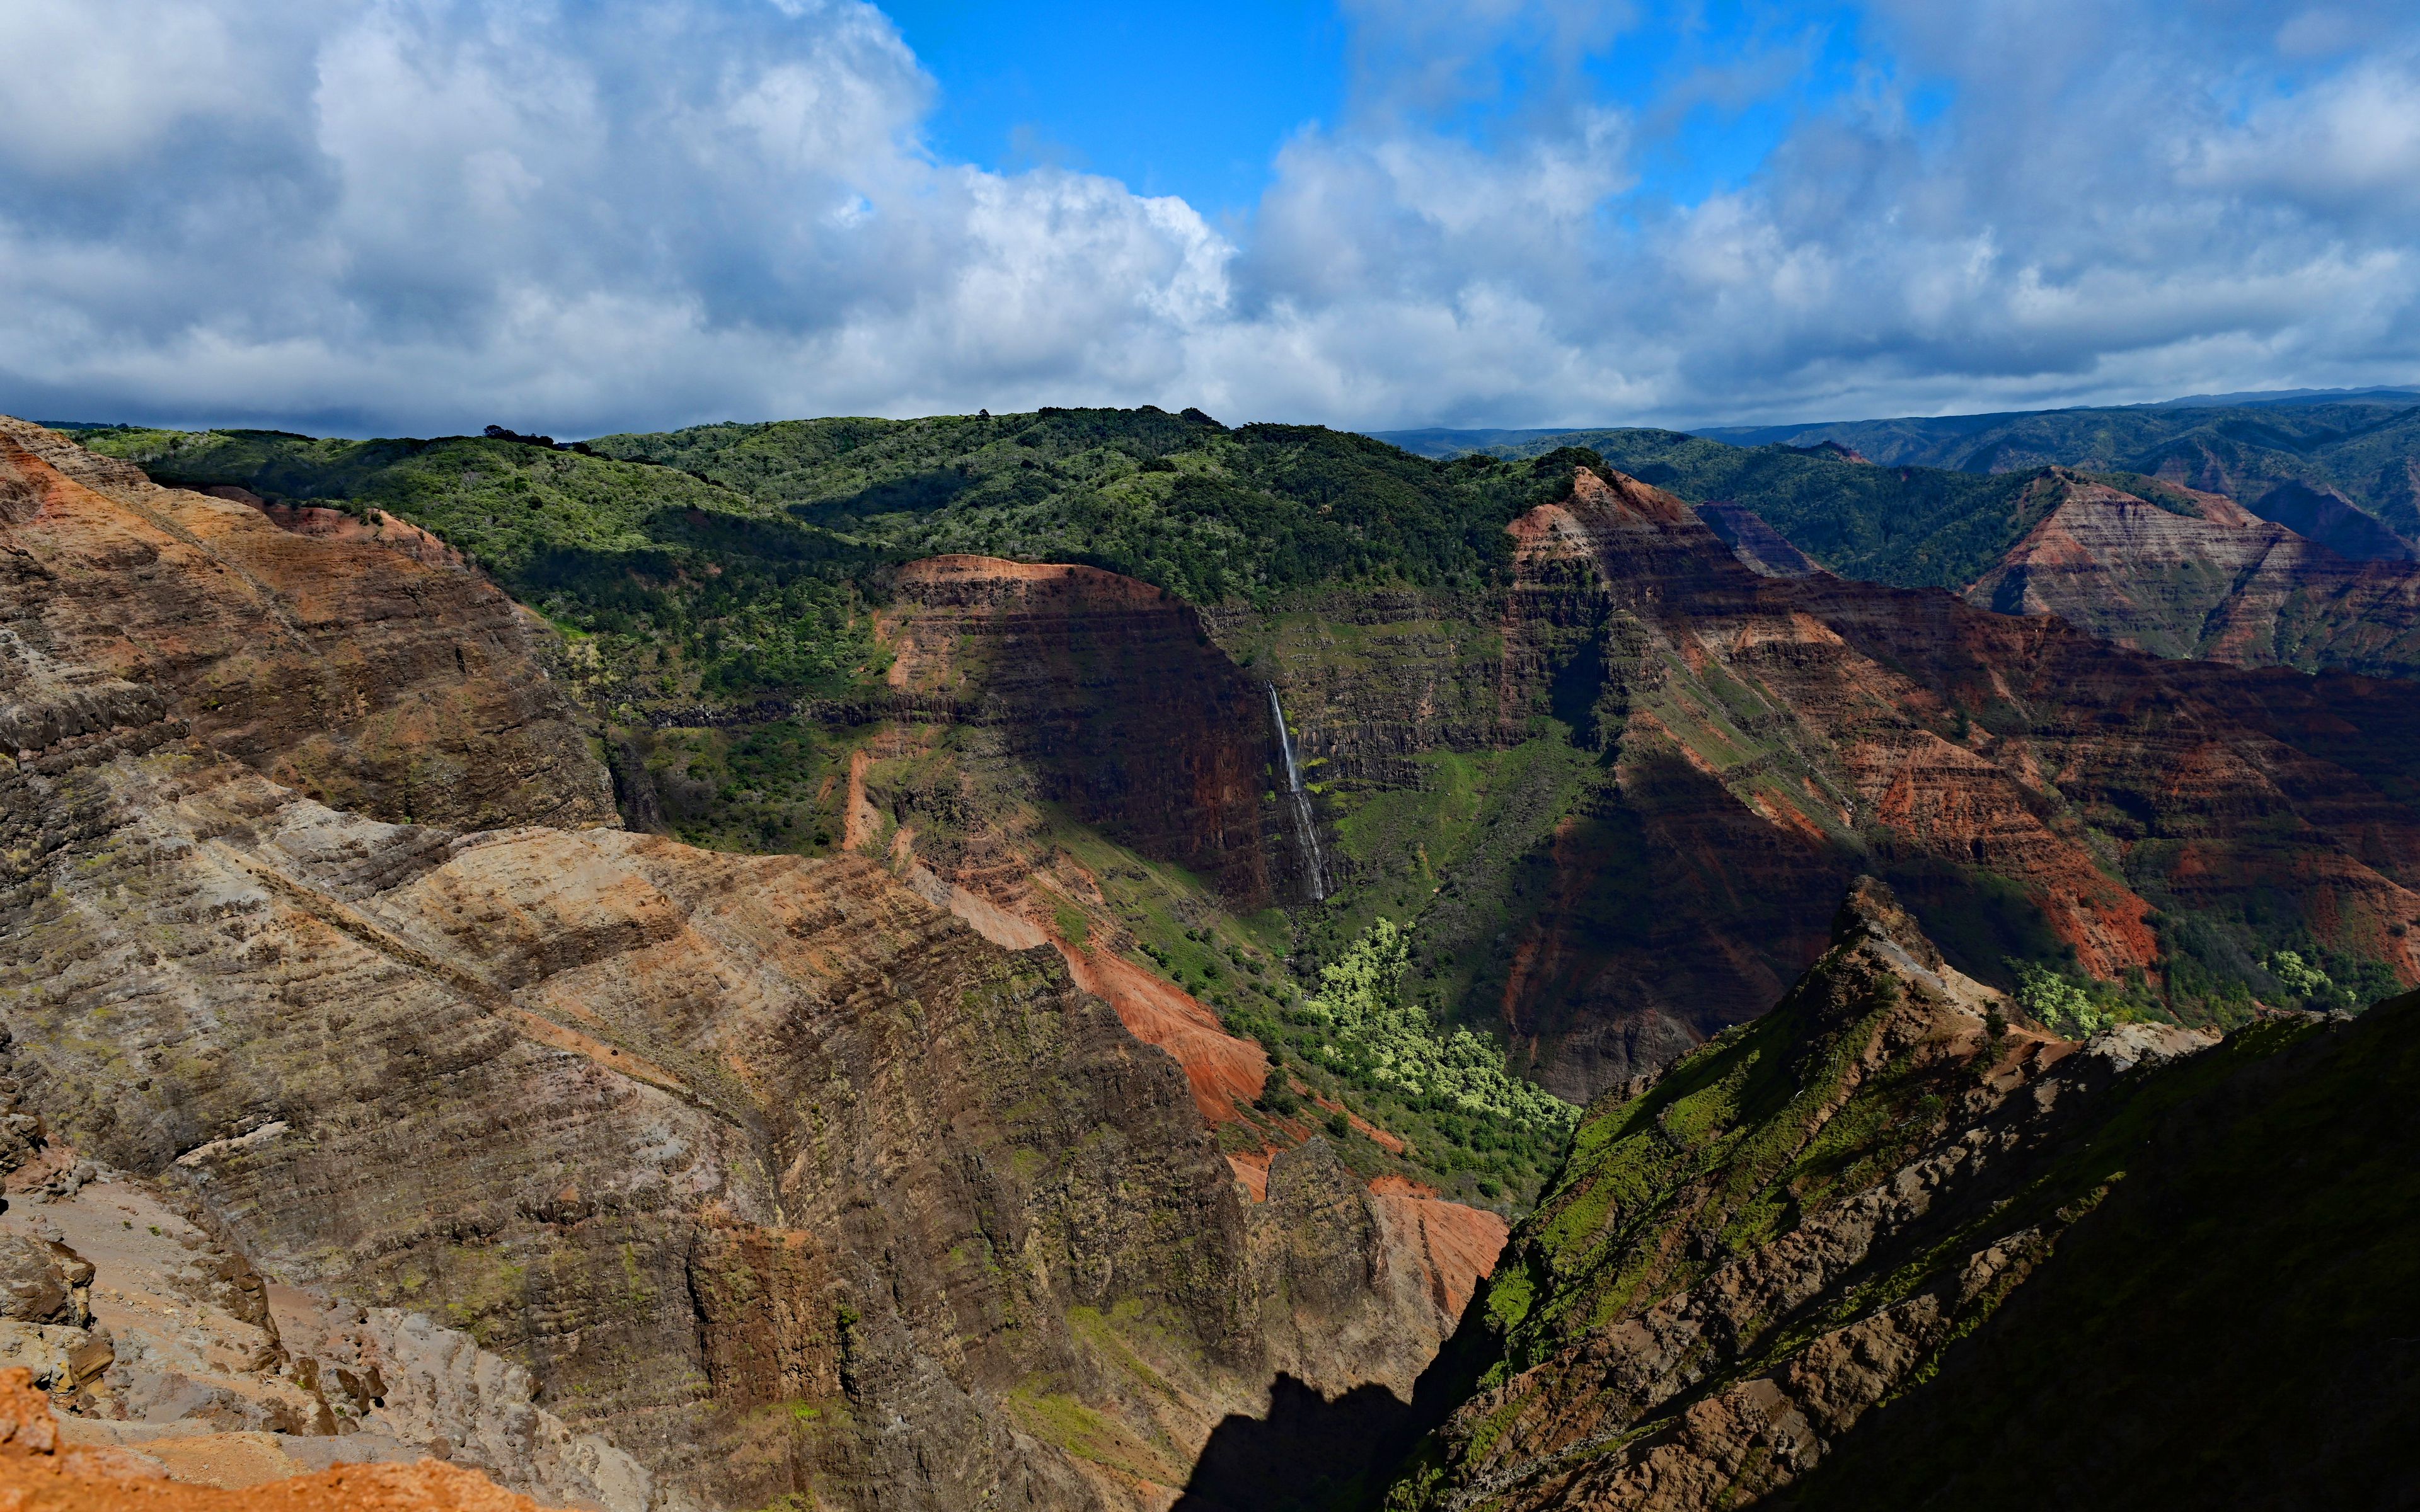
(367, 677)
(216, 1378)
(1107, 690)
(2220, 582)
(774, 1173)
(42, 1471)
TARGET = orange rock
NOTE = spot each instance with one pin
(1458, 1244)
(1222, 1070)
(41, 1473)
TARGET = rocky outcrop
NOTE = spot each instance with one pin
(1743, 1258)
(2197, 575)
(373, 526)
(224, 1380)
(1348, 1271)
(350, 672)
(44, 1471)
(46, 1322)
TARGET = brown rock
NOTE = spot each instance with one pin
(349, 672)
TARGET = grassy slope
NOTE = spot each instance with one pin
(1211, 514)
(2234, 1326)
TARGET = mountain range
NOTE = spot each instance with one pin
(1041, 960)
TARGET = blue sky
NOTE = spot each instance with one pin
(1195, 100)
(1170, 100)
(581, 215)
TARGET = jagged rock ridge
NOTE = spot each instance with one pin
(1745, 1256)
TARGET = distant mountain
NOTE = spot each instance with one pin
(2361, 452)
(2286, 397)
(2199, 545)
(2341, 467)
(2184, 574)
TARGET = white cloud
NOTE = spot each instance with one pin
(428, 214)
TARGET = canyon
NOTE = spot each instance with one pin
(776, 1174)
(965, 1124)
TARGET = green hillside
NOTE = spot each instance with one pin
(728, 561)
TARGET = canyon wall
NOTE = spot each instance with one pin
(2220, 582)
(1758, 740)
(371, 679)
(1744, 1259)
(1109, 692)
(777, 1173)
(1893, 1246)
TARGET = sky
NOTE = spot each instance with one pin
(577, 216)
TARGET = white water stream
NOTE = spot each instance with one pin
(1306, 833)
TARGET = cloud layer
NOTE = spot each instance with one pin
(424, 215)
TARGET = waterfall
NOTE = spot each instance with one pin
(1306, 833)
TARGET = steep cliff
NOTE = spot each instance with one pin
(365, 676)
(774, 1172)
(1107, 689)
(2233, 1327)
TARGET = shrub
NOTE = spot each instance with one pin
(2059, 1004)
(1378, 1038)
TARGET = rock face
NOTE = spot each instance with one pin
(2277, 1157)
(1743, 1260)
(1110, 692)
(1757, 545)
(1765, 738)
(44, 1471)
(774, 1173)
(226, 1382)
(2221, 582)
(364, 677)
(46, 1322)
